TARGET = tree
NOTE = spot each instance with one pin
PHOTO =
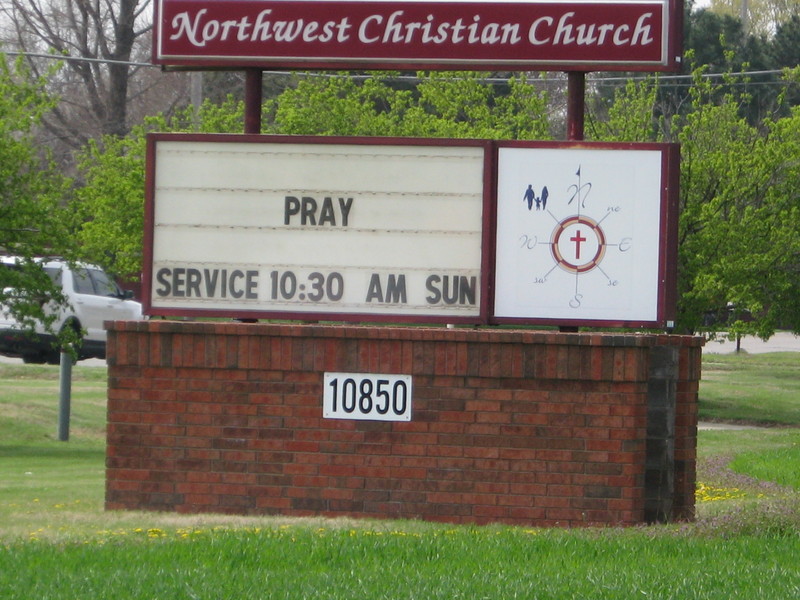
(629, 116)
(106, 83)
(759, 17)
(785, 47)
(785, 52)
(740, 234)
(31, 189)
(720, 44)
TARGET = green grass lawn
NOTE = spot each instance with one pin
(57, 542)
(436, 562)
(759, 388)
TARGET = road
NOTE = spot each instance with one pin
(780, 342)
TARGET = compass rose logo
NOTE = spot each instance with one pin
(578, 244)
(594, 250)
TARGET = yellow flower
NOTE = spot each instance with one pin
(707, 493)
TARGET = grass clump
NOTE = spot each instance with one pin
(778, 465)
(293, 562)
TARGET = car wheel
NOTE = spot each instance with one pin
(53, 358)
(34, 359)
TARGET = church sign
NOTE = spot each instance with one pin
(581, 35)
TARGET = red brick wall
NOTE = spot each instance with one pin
(520, 427)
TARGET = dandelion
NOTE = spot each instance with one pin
(707, 493)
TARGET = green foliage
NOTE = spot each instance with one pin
(339, 105)
(454, 105)
(29, 184)
(785, 48)
(630, 115)
(723, 44)
(714, 140)
(717, 40)
(110, 206)
(31, 192)
(739, 229)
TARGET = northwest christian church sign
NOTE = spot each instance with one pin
(377, 229)
(580, 35)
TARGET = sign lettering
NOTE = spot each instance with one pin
(532, 34)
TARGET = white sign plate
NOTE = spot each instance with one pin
(579, 234)
(367, 397)
(270, 228)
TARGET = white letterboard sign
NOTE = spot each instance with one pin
(350, 229)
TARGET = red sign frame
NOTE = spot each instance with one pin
(490, 237)
(577, 35)
(301, 311)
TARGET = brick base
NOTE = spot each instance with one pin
(519, 427)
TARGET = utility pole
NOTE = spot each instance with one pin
(744, 16)
(196, 95)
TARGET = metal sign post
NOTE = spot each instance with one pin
(64, 395)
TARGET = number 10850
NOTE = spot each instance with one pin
(367, 397)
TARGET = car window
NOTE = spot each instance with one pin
(82, 283)
(55, 275)
(103, 284)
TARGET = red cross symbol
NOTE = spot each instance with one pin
(577, 238)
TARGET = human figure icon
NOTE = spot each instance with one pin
(529, 196)
(544, 196)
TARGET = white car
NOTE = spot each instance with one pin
(92, 298)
